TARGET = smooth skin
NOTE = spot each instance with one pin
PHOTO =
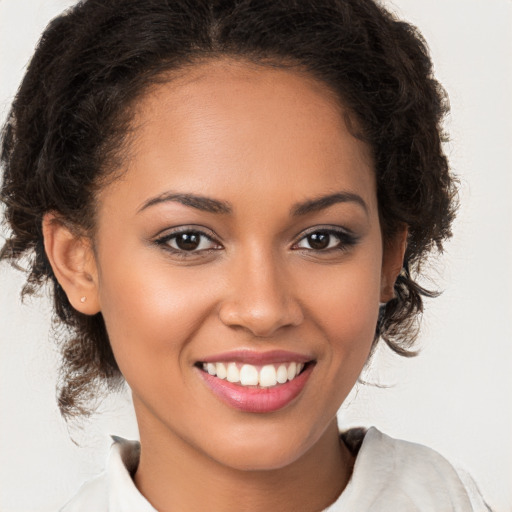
(262, 145)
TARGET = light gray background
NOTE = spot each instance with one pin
(456, 396)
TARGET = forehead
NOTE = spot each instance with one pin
(238, 128)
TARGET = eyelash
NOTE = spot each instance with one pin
(345, 238)
(345, 241)
(165, 240)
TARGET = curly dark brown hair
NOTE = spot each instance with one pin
(65, 132)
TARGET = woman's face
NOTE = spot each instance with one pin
(242, 241)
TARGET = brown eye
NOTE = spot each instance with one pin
(187, 241)
(320, 240)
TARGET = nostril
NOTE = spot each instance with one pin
(261, 319)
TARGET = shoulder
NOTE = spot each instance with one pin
(391, 474)
(113, 490)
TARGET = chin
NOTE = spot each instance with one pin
(268, 459)
(272, 448)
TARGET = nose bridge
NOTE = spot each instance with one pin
(260, 297)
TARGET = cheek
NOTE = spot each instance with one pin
(344, 306)
(149, 314)
(347, 300)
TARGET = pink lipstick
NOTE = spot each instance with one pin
(257, 382)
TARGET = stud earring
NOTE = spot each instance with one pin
(83, 299)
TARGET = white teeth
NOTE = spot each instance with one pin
(233, 374)
(248, 375)
(267, 376)
(292, 371)
(222, 373)
(282, 374)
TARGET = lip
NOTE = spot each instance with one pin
(253, 399)
(258, 358)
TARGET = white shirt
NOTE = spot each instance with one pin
(389, 476)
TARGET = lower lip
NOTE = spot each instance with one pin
(259, 400)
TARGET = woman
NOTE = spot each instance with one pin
(231, 201)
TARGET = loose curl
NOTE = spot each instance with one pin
(68, 128)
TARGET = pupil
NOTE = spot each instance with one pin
(318, 240)
(188, 241)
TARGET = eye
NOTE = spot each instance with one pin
(326, 239)
(188, 241)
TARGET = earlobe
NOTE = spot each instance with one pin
(392, 263)
(73, 263)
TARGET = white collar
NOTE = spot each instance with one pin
(388, 474)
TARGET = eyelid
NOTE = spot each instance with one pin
(185, 228)
(331, 228)
(347, 236)
(162, 237)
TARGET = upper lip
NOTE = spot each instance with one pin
(257, 358)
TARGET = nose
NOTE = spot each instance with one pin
(261, 298)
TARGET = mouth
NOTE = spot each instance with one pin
(254, 383)
(254, 376)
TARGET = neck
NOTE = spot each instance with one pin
(174, 476)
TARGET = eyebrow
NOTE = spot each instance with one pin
(207, 204)
(320, 203)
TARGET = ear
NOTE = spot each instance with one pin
(74, 265)
(392, 263)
